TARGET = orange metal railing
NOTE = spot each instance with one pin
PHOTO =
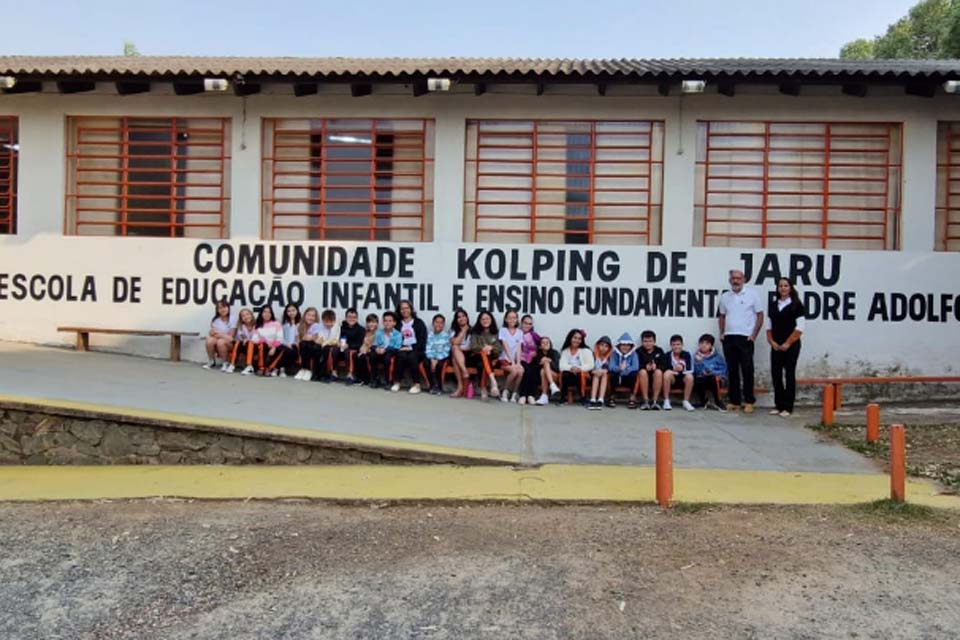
(9, 150)
(148, 176)
(798, 184)
(564, 181)
(348, 179)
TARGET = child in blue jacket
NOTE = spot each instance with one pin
(623, 368)
(386, 344)
(437, 353)
(709, 368)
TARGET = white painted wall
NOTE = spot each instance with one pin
(40, 246)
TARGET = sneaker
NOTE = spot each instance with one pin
(554, 389)
(531, 400)
(374, 384)
(274, 373)
(415, 389)
(655, 406)
(522, 400)
(515, 397)
(687, 406)
(395, 387)
(350, 381)
(210, 365)
(732, 407)
(504, 396)
(774, 412)
(784, 414)
(283, 373)
(334, 376)
(247, 371)
(722, 408)
(543, 400)
(611, 403)
(230, 369)
(224, 366)
(646, 406)
(595, 405)
(303, 374)
(748, 408)
(666, 405)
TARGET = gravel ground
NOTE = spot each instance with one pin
(172, 570)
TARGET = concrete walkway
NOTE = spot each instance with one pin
(570, 435)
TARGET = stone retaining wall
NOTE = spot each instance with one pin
(37, 437)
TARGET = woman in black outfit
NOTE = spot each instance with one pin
(785, 324)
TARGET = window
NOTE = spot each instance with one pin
(798, 184)
(145, 176)
(9, 148)
(348, 179)
(948, 186)
(563, 182)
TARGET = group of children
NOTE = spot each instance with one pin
(397, 345)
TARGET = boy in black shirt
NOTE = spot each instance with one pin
(651, 370)
(351, 339)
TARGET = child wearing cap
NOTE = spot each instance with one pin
(601, 364)
(623, 367)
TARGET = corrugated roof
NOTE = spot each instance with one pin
(386, 68)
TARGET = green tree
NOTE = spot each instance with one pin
(859, 49)
(130, 49)
(931, 29)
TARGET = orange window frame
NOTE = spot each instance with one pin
(526, 205)
(331, 182)
(836, 141)
(948, 186)
(9, 146)
(194, 199)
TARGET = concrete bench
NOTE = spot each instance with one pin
(83, 337)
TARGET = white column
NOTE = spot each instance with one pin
(679, 173)
(448, 178)
(919, 200)
(245, 181)
(40, 179)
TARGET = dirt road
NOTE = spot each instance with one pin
(177, 570)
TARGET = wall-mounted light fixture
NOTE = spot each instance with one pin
(7, 82)
(952, 86)
(438, 84)
(693, 86)
(215, 84)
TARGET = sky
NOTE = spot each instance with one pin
(414, 28)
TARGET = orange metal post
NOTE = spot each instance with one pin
(898, 463)
(873, 423)
(828, 407)
(837, 395)
(664, 462)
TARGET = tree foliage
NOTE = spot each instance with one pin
(931, 29)
(130, 49)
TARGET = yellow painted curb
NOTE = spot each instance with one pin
(570, 483)
(262, 429)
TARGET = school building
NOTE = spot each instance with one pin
(612, 195)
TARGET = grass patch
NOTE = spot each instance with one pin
(891, 510)
(692, 507)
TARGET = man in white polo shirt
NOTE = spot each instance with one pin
(740, 318)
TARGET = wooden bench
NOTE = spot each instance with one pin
(838, 383)
(83, 337)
